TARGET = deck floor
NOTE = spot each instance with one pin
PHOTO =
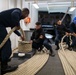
(53, 66)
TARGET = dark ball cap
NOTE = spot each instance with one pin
(38, 23)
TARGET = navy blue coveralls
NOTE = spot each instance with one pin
(37, 42)
(60, 32)
(8, 18)
(73, 30)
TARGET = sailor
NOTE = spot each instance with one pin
(60, 30)
(39, 40)
(73, 31)
(9, 18)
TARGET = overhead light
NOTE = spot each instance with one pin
(72, 9)
(36, 5)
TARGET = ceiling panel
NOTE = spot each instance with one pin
(52, 0)
(53, 5)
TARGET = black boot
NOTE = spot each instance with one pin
(40, 49)
(70, 48)
(5, 68)
(57, 48)
(33, 50)
(52, 53)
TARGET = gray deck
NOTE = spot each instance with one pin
(53, 66)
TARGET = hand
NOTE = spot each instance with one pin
(31, 41)
(18, 27)
(41, 37)
(70, 34)
(67, 33)
(74, 34)
(22, 38)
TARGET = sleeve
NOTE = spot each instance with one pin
(15, 16)
(41, 39)
(33, 34)
(43, 34)
(56, 32)
(66, 29)
(16, 32)
(71, 28)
